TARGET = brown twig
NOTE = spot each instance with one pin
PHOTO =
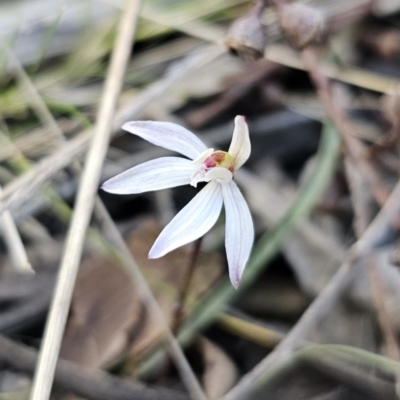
(379, 298)
(21, 189)
(184, 291)
(86, 383)
(332, 291)
(354, 148)
(245, 82)
(359, 157)
(14, 243)
(83, 209)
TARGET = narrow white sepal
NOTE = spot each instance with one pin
(240, 147)
(239, 231)
(168, 135)
(161, 173)
(192, 222)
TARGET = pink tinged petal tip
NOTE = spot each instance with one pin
(168, 135)
(192, 222)
(240, 147)
(239, 231)
(161, 173)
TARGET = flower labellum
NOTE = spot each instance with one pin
(204, 165)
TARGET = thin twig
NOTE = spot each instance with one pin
(33, 95)
(21, 189)
(73, 250)
(14, 243)
(379, 298)
(277, 53)
(39, 105)
(102, 214)
(88, 384)
(354, 148)
(362, 218)
(183, 293)
(156, 312)
(194, 61)
(325, 299)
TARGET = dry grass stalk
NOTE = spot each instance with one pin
(354, 148)
(379, 296)
(22, 188)
(70, 263)
(47, 118)
(33, 96)
(326, 298)
(85, 383)
(14, 243)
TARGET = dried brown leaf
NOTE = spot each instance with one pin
(107, 318)
(220, 373)
(104, 314)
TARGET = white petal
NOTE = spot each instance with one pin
(239, 231)
(168, 135)
(221, 175)
(240, 147)
(161, 173)
(192, 222)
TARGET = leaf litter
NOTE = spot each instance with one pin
(304, 237)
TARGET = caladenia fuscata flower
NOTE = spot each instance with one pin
(204, 165)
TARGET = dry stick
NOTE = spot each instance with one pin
(44, 114)
(148, 298)
(14, 243)
(177, 72)
(84, 382)
(277, 53)
(21, 189)
(354, 148)
(358, 155)
(378, 296)
(184, 291)
(336, 285)
(40, 107)
(183, 366)
(87, 190)
(362, 220)
(37, 102)
(327, 297)
(30, 226)
(387, 328)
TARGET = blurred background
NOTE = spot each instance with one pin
(317, 315)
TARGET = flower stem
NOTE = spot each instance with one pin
(184, 291)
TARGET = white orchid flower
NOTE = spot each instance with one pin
(204, 165)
